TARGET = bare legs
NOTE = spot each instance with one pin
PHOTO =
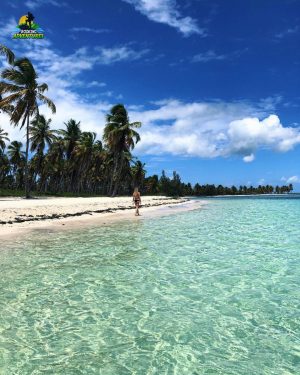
(137, 211)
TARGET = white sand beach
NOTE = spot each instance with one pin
(18, 215)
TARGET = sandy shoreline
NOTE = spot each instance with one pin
(18, 216)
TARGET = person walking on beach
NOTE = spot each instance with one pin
(136, 197)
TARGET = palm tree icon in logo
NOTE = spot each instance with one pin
(29, 20)
(26, 22)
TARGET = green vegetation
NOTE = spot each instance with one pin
(120, 138)
(22, 101)
(72, 162)
(174, 187)
(20, 193)
(33, 26)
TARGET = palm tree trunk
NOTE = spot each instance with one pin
(27, 188)
(117, 176)
(113, 177)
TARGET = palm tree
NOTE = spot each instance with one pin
(71, 135)
(138, 172)
(17, 159)
(24, 94)
(15, 153)
(97, 167)
(40, 136)
(83, 153)
(3, 138)
(152, 184)
(120, 137)
(4, 167)
(10, 57)
(54, 167)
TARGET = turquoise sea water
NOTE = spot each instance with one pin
(213, 291)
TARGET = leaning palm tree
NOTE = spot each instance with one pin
(120, 137)
(24, 94)
(3, 138)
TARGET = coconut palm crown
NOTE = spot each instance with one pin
(120, 138)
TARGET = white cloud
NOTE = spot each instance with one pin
(96, 84)
(62, 73)
(68, 105)
(249, 158)
(291, 180)
(247, 135)
(33, 4)
(64, 68)
(208, 56)
(211, 129)
(270, 103)
(206, 129)
(166, 12)
(201, 129)
(289, 31)
(212, 55)
(89, 30)
(7, 29)
(123, 53)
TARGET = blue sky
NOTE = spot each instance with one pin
(215, 83)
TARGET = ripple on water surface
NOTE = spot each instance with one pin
(213, 291)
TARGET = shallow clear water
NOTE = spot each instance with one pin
(213, 291)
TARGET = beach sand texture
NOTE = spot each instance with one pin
(17, 210)
(18, 215)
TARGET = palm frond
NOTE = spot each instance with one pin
(18, 112)
(10, 57)
(43, 87)
(9, 87)
(136, 124)
(26, 67)
(11, 98)
(13, 75)
(47, 101)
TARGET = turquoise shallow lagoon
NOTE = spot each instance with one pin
(211, 291)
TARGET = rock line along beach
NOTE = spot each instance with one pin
(18, 215)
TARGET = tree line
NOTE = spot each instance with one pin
(175, 187)
(66, 160)
(70, 160)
